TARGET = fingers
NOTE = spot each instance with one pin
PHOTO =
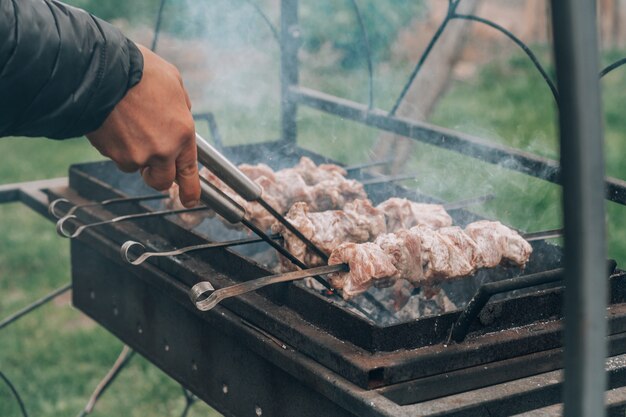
(159, 176)
(187, 175)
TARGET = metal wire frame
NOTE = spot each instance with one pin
(190, 400)
(368, 52)
(157, 26)
(118, 366)
(16, 395)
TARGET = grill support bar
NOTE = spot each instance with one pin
(504, 156)
(582, 161)
(289, 45)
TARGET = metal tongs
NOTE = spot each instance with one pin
(226, 207)
(232, 176)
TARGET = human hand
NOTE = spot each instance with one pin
(151, 129)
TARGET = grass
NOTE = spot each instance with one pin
(56, 356)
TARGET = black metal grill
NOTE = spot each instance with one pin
(405, 363)
(288, 350)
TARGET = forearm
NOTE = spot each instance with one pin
(62, 70)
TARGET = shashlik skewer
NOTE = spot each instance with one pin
(424, 256)
(358, 222)
(420, 255)
(281, 189)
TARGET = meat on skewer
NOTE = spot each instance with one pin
(281, 189)
(424, 256)
(404, 214)
(358, 222)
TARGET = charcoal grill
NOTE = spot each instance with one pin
(282, 328)
(289, 350)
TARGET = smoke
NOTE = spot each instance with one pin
(230, 62)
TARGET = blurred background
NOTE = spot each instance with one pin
(476, 81)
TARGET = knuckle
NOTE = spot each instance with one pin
(187, 170)
(187, 129)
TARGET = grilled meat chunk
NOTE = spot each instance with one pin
(358, 222)
(404, 214)
(498, 244)
(367, 262)
(425, 256)
(322, 187)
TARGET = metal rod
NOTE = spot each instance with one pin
(529, 53)
(53, 207)
(582, 161)
(283, 251)
(63, 232)
(35, 305)
(452, 5)
(486, 291)
(612, 67)
(289, 45)
(157, 26)
(358, 167)
(394, 178)
(235, 213)
(504, 156)
(232, 176)
(543, 235)
(461, 204)
(368, 52)
(190, 400)
(16, 394)
(120, 363)
(132, 246)
(266, 19)
(216, 296)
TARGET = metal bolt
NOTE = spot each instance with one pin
(258, 411)
(139, 329)
(194, 366)
(92, 294)
(166, 347)
(225, 389)
(115, 311)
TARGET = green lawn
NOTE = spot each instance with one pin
(56, 356)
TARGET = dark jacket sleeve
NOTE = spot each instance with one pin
(62, 70)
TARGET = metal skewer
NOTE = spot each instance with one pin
(225, 170)
(63, 232)
(203, 288)
(52, 208)
(394, 178)
(543, 235)
(137, 259)
(234, 213)
(364, 165)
